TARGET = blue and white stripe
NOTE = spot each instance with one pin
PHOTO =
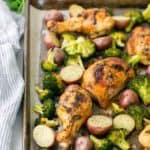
(11, 81)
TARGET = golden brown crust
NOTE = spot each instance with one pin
(139, 43)
(73, 104)
(94, 22)
(105, 78)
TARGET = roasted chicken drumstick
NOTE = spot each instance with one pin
(74, 107)
(93, 22)
(105, 78)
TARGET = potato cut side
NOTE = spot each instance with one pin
(44, 136)
(71, 73)
(99, 124)
(121, 22)
(124, 121)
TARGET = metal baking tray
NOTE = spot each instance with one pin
(35, 10)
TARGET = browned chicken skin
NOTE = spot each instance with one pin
(74, 108)
(94, 22)
(105, 78)
(139, 43)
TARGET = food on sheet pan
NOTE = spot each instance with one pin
(106, 78)
(99, 124)
(93, 22)
(139, 44)
(55, 15)
(83, 143)
(74, 108)
(95, 63)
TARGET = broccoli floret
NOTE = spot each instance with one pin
(86, 47)
(119, 38)
(146, 13)
(69, 43)
(71, 60)
(141, 85)
(47, 109)
(44, 93)
(116, 109)
(49, 64)
(78, 45)
(138, 113)
(132, 60)
(68, 38)
(117, 137)
(45, 121)
(136, 18)
(111, 52)
(101, 144)
(53, 82)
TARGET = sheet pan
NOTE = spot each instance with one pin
(34, 47)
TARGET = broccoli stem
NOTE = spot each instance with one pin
(80, 62)
(38, 109)
(134, 60)
(130, 26)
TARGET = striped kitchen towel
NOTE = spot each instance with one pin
(11, 81)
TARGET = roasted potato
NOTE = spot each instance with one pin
(71, 73)
(99, 124)
(54, 15)
(103, 42)
(44, 136)
(121, 22)
(59, 56)
(124, 121)
(83, 143)
(128, 97)
(50, 40)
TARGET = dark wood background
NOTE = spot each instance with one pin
(46, 4)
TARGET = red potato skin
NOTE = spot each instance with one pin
(83, 143)
(54, 15)
(59, 56)
(97, 130)
(148, 71)
(48, 41)
(121, 24)
(72, 82)
(127, 98)
(103, 42)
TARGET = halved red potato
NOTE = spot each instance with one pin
(103, 42)
(83, 143)
(50, 40)
(53, 14)
(71, 73)
(99, 124)
(124, 121)
(43, 136)
(121, 22)
(127, 98)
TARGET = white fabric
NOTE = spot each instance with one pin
(11, 81)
